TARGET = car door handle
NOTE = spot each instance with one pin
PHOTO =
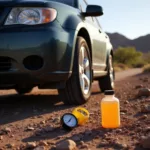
(100, 31)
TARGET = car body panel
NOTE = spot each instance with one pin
(99, 46)
(44, 42)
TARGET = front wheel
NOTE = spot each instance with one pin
(107, 82)
(78, 87)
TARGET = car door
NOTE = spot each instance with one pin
(97, 38)
(100, 52)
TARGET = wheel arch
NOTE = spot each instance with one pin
(112, 53)
(84, 33)
(109, 52)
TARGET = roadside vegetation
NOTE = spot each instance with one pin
(129, 57)
(146, 68)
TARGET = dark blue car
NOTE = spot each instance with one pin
(56, 44)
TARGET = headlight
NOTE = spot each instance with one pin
(31, 16)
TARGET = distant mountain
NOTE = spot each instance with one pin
(141, 43)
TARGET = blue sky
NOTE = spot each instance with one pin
(128, 17)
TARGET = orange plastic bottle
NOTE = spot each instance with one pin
(110, 110)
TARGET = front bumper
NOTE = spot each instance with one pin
(50, 42)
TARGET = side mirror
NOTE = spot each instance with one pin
(93, 10)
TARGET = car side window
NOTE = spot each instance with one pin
(83, 5)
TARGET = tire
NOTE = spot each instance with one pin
(23, 90)
(107, 82)
(78, 87)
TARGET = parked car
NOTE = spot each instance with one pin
(56, 44)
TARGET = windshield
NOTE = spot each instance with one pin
(68, 2)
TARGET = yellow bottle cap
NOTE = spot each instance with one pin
(81, 114)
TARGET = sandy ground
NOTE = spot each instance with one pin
(36, 116)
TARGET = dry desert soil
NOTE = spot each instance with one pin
(35, 117)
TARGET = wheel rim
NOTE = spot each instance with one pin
(111, 71)
(84, 70)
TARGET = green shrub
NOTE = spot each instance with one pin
(120, 67)
(128, 56)
(117, 69)
(139, 63)
(146, 68)
(146, 57)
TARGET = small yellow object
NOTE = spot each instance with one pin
(110, 110)
(81, 114)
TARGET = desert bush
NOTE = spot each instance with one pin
(117, 69)
(146, 68)
(120, 67)
(128, 56)
(146, 57)
(139, 63)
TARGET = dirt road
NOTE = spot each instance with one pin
(119, 76)
(36, 117)
(127, 73)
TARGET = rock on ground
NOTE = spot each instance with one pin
(30, 145)
(144, 92)
(66, 145)
(145, 142)
(40, 148)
